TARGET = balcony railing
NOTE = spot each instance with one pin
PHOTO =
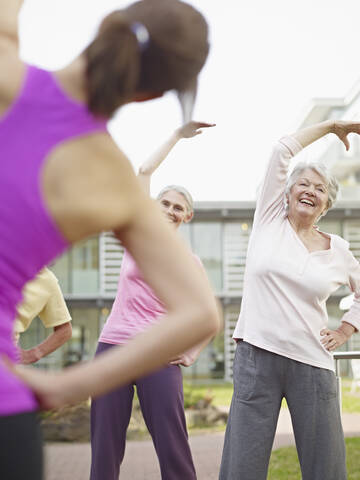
(343, 356)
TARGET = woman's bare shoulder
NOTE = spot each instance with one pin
(89, 186)
(9, 13)
(12, 75)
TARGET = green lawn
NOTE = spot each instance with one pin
(350, 403)
(284, 464)
(221, 394)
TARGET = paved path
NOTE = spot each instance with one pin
(71, 461)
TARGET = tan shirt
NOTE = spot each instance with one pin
(43, 298)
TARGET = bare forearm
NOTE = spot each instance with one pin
(150, 165)
(193, 315)
(148, 168)
(347, 329)
(187, 323)
(195, 351)
(308, 135)
(189, 130)
(60, 335)
(341, 128)
(143, 355)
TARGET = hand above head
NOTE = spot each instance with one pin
(343, 127)
(191, 129)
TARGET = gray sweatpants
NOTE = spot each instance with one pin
(261, 380)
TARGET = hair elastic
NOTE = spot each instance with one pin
(141, 33)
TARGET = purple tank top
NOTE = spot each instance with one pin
(39, 119)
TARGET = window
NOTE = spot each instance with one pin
(185, 232)
(61, 268)
(85, 334)
(330, 226)
(78, 269)
(207, 244)
(85, 267)
(36, 334)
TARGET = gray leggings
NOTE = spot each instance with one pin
(261, 380)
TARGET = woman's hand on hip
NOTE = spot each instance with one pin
(332, 339)
(49, 388)
(185, 360)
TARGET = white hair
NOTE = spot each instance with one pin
(321, 169)
(185, 193)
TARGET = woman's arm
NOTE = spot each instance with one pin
(60, 335)
(333, 339)
(350, 321)
(9, 12)
(190, 356)
(43, 297)
(341, 128)
(189, 130)
(271, 195)
(112, 199)
(168, 267)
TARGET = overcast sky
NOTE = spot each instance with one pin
(267, 60)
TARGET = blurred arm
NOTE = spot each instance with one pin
(110, 198)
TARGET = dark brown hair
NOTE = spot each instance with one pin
(117, 66)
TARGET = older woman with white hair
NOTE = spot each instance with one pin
(160, 394)
(283, 343)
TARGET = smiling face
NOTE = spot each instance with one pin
(174, 207)
(308, 197)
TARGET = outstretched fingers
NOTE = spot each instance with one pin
(345, 141)
(191, 129)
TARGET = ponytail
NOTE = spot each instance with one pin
(150, 47)
(113, 66)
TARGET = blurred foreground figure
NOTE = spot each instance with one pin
(62, 178)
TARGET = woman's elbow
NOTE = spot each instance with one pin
(65, 331)
(210, 317)
(217, 317)
(68, 331)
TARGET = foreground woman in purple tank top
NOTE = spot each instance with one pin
(62, 178)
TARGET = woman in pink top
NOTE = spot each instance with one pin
(62, 178)
(135, 309)
(283, 343)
